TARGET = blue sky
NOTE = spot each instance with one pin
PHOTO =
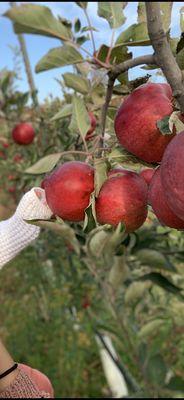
(38, 45)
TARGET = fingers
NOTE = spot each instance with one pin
(40, 193)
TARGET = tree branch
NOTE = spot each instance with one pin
(163, 54)
(134, 62)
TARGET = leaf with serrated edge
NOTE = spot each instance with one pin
(77, 82)
(45, 164)
(80, 119)
(59, 57)
(37, 19)
(112, 12)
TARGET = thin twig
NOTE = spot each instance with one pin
(91, 29)
(105, 109)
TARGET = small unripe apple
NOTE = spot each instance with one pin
(93, 126)
(23, 133)
(68, 190)
(147, 174)
(136, 121)
(122, 198)
(158, 202)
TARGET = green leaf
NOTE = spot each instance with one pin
(134, 35)
(112, 12)
(115, 239)
(150, 328)
(176, 383)
(97, 240)
(37, 20)
(180, 59)
(118, 273)
(156, 370)
(45, 164)
(89, 28)
(161, 281)
(182, 18)
(154, 258)
(64, 113)
(77, 25)
(180, 44)
(59, 57)
(77, 82)
(166, 9)
(118, 54)
(82, 39)
(100, 167)
(80, 119)
(82, 4)
(90, 221)
(63, 230)
(141, 11)
(163, 125)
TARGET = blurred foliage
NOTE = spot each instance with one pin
(91, 277)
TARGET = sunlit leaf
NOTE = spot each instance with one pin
(65, 112)
(37, 19)
(112, 12)
(45, 164)
(59, 57)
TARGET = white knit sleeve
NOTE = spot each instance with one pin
(15, 233)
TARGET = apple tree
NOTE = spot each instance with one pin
(89, 155)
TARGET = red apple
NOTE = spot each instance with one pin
(147, 174)
(172, 175)
(135, 122)
(23, 133)
(158, 201)
(6, 145)
(93, 126)
(68, 190)
(17, 158)
(122, 198)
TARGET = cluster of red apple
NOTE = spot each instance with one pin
(125, 194)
